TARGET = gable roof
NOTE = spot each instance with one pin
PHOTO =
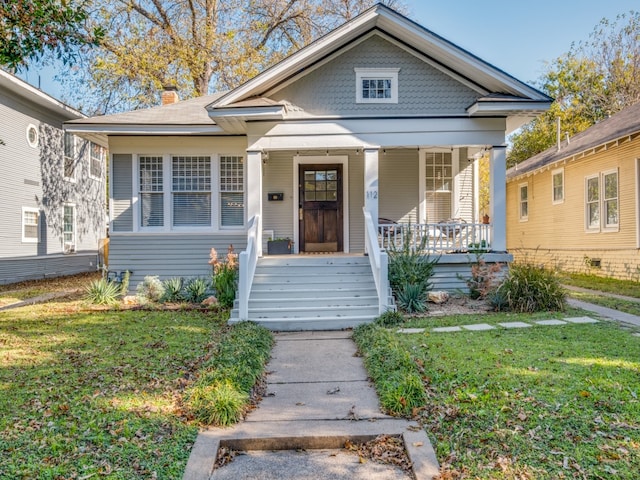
(29, 93)
(496, 88)
(620, 126)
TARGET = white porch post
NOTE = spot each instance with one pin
(498, 197)
(254, 191)
(371, 183)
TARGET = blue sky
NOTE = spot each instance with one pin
(514, 35)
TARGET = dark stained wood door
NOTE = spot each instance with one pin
(320, 213)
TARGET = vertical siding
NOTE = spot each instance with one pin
(399, 185)
(556, 233)
(331, 89)
(278, 178)
(122, 193)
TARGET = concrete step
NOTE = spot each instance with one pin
(286, 291)
(303, 260)
(314, 269)
(313, 312)
(310, 323)
(315, 302)
(260, 279)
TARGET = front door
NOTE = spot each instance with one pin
(320, 212)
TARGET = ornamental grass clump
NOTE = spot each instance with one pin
(102, 292)
(225, 276)
(529, 288)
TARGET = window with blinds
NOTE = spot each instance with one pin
(151, 191)
(97, 157)
(68, 225)
(231, 191)
(439, 185)
(191, 185)
(30, 225)
(69, 156)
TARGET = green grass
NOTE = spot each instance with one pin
(629, 288)
(537, 403)
(99, 394)
(626, 306)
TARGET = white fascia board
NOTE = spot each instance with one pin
(275, 112)
(120, 129)
(508, 108)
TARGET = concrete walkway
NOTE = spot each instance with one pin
(318, 397)
(39, 299)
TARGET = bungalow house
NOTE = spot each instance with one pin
(379, 119)
(52, 187)
(575, 207)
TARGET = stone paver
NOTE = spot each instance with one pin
(515, 325)
(478, 327)
(411, 330)
(581, 320)
(447, 329)
(550, 322)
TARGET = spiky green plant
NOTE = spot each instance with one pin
(102, 292)
(173, 290)
(195, 290)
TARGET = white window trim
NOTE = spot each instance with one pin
(422, 186)
(29, 239)
(75, 224)
(135, 201)
(558, 171)
(378, 74)
(33, 144)
(523, 218)
(603, 220)
(103, 156)
(190, 228)
(74, 156)
(218, 194)
(587, 228)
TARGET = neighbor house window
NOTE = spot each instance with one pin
(191, 191)
(377, 85)
(151, 191)
(524, 201)
(610, 199)
(97, 159)
(69, 156)
(69, 226)
(439, 185)
(30, 225)
(231, 191)
(32, 136)
(557, 181)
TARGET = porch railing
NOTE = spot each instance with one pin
(445, 237)
(248, 260)
(379, 263)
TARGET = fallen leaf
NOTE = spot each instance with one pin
(418, 444)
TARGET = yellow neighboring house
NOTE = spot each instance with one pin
(576, 207)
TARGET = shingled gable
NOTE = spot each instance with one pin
(498, 93)
(617, 128)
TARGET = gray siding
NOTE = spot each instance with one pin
(168, 255)
(14, 270)
(422, 89)
(278, 177)
(122, 193)
(399, 185)
(356, 202)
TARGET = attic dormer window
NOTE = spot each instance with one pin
(377, 85)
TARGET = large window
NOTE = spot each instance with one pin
(439, 185)
(601, 201)
(523, 190)
(69, 162)
(151, 191)
(231, 191)
(30, 225)
(557, 180)
(96, 160)
(191, 191)
(69, 227)
(377, 85)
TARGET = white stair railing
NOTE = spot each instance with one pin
(248, 260)
(379, 262)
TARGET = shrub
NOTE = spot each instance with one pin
(173, 290)
(218, 404)
(484, 278)
(150, 290)
(390, 319)
(124, 284)
(196, 290)
(531, 288)
(102, 292)
(412, 297)
(225, 277)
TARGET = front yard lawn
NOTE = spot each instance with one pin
(99, 394)
(545, 402)
(630, 288)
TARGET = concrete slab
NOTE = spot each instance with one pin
(606, 312)
(323, 360)
(550, 322)
(477, 327)
(515, 324)
(581, 320)
(411, 330)
(310, 401)
(447, 329)
(314, 335)
(305, 464)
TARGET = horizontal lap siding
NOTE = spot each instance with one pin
(32, 268)
(399, 185)
(168, 255)
(278, 178)
(356, 202)
(122, 192)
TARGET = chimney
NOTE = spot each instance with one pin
(170, 95)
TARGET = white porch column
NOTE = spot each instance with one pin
(498, 197)
(371, 183)
(254, 191)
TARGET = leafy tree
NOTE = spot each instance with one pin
(594, 80)
(29, 28)
(197, 44)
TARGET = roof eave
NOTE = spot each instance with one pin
(508, 108)
(120, 129)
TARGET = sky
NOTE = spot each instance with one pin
(517, 36)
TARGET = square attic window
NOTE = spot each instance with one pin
(377, 85)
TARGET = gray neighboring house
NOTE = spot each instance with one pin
(52, 188)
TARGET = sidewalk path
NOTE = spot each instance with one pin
(609, 313)
(598, 292)
(39, 299)
(318, 397)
